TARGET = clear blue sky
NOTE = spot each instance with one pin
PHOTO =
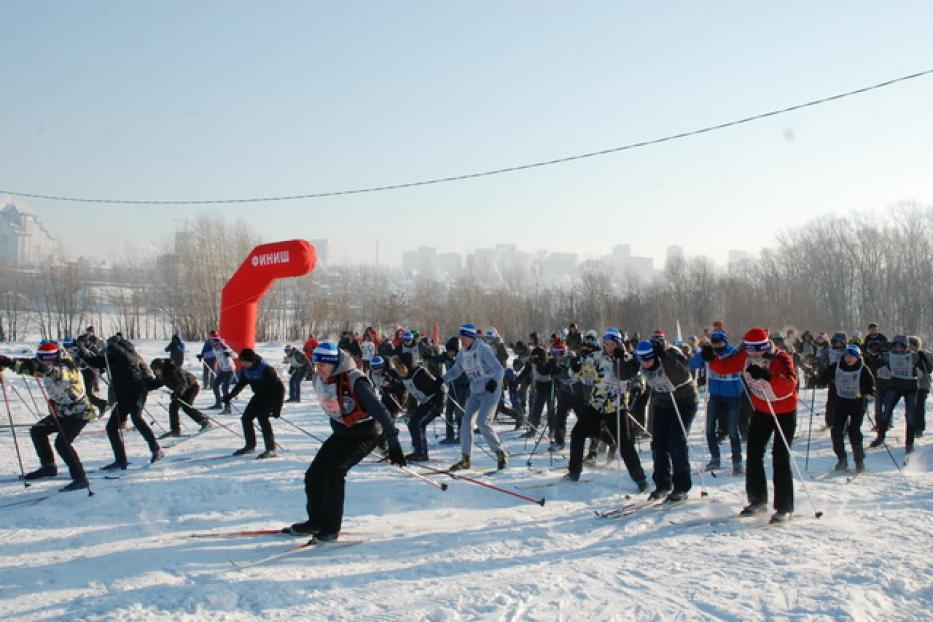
(225, 99)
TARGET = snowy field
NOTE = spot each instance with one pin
(465, 554)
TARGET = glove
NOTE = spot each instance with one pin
(491, 385)
(200, 357)
(396, 456)
(707, 353)
(5, 361)
(759, 373)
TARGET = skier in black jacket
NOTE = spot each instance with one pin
(428, 393)
(268, 395)
(129, 381)
(184, 387)
(358, 418)
(854, 386)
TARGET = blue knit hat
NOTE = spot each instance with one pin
(613, 334)
(854, 350)
(326, 352)
(377, 362)
(644, 351)
(408, 336)
(468, 330)
(719, 335)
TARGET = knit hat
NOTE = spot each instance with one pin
(48, 351)
(914, 341)
(854, 350)
(326, 352)
(757, 340)
(838, 338)
(468, 330)
(657, 334)
(591, 338)
(558, 348)
(718, 324)
(492, 333)
(644, 351)
(377, 362)
(900, 340)
(213, 334)
(408, 336)
(613, 334)
(719, 335)
(248, 355)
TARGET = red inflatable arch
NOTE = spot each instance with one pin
(239, 300)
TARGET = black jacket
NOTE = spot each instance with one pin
(129, 375)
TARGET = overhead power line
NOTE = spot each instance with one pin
(486, 173)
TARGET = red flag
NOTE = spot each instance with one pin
(437, 333)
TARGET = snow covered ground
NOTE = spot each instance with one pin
(468, 553)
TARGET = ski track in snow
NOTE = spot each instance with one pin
(467, 554)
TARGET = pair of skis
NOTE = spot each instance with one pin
(310, 545)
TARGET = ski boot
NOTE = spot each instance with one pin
(156, 456)
(737, 469)
(244, 450)
(461, 464)
(781, 517)
(642, 485)
(115, 466)
(78, 484)
(307, 528)
(712, 465)
(841, 464)
(46, 470)
(269, 453)
(502, 460)
(206, 425)
(170, 434)
(657, 494)
(571, 477)
(754, 508)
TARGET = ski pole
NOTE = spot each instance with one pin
(301, 429)
(793, 460)
(806, 464)
(470, 426)
(26, 404)
(229, 429)
(9, 413)
(683, 428)
(417, 475)
(537, 442)
(31, 396)
(485, 485)
(619, 432)
(883, 444)
(61, 431)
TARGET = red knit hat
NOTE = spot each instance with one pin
(558, 347)
(657, 334)
(48, 351)
(757, 340)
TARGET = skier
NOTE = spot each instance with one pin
(828, 359)
(854, 386)
(874, 336)
(89, 341)
(67, 401)
(224, 369)
(297, 371)
(903, 368)
(176, 351)
(604, 411)
(923, 384)
(568, 390)
(206, 358)
(268, 396)
(129, 380)
(184, 387)
(542, 374)
(673, 396)
(725, 399)
(458, 394)
(574, 339)
(772, 384)
(428, 394)
(358, 418)
(367, 349)
(478, 361)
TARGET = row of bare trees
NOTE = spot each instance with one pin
(833, 273)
